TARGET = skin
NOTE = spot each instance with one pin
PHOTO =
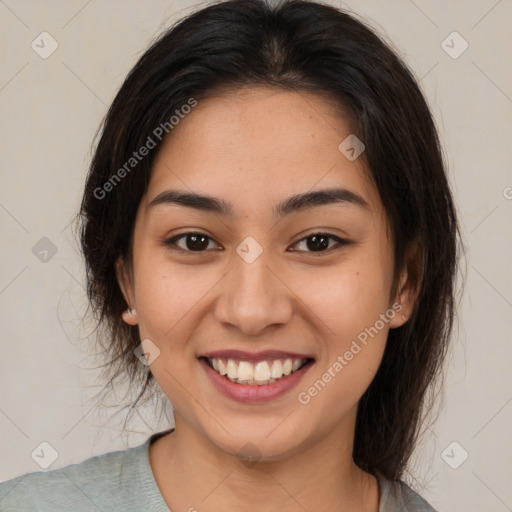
(254, 148)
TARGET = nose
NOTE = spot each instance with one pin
(254, 298)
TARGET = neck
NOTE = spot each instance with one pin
(194, 474)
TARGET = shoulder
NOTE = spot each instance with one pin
(95, 483)
(398, 496)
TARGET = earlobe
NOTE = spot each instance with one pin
(408, 289)
(403, 308)
(402, 311)
(124, 281)
(129, 316)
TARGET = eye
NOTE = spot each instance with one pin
(320, 242)
(199, 242)
(193, 242)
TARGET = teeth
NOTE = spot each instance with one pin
(245, 371)
(232, 369)
(263, 372)
(277, 369)
(222, 367)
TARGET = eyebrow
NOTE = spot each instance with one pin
(293, 204)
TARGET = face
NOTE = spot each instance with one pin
(253, 282)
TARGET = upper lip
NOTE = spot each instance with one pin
(241, 355)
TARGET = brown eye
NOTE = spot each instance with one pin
(194, 242)
(320, 242)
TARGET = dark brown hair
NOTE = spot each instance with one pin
(299, 46)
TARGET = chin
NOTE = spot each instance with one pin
(269, 441)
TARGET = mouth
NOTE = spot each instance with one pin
(256, 372)
(250, 378)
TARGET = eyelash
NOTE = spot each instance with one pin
(171, 242)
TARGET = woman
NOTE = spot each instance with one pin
(269, 236)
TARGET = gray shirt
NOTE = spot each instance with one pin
(123, 481)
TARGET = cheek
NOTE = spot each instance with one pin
(165, 300)
(354, 337)
(349, 297)
(350, 302)
(167, 295)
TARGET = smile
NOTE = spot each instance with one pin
(252, 377)
(257, 373)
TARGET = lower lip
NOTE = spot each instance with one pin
(255, 393)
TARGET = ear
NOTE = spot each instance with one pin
(408, 289)
(125, 281)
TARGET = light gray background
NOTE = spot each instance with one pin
(50, 110)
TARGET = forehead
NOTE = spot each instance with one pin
(257, 143)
